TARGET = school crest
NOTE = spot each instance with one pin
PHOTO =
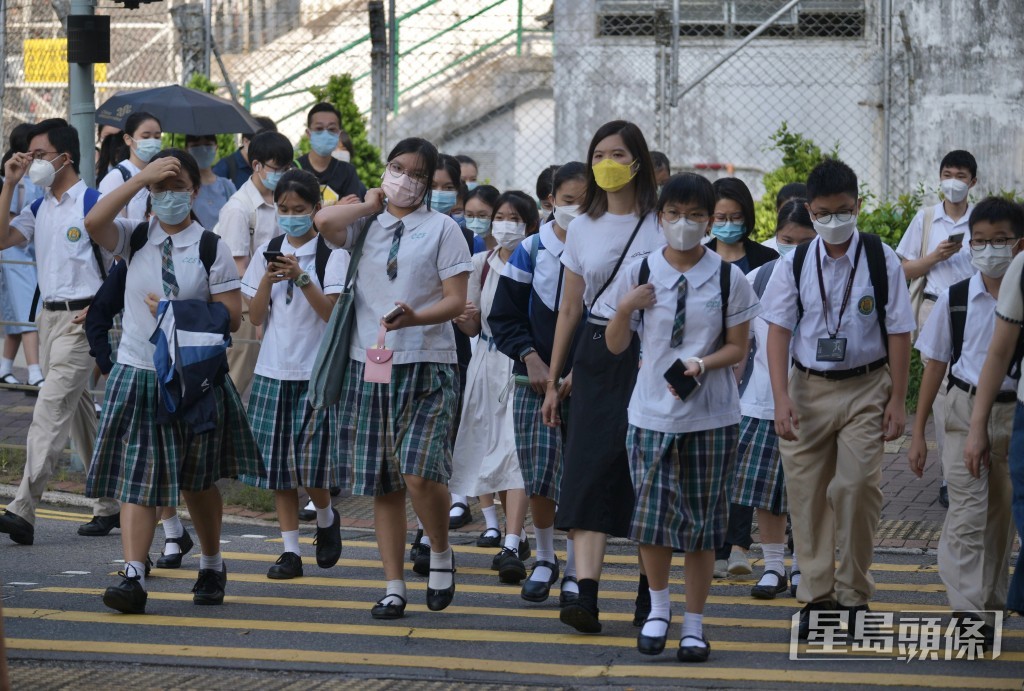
(866, 305)
(74, 234)
(713, 305)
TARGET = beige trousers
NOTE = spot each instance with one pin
(64, 407)
(242, 356)
(939, 406)
(977, 535)
(833, 472)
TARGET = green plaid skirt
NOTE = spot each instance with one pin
(403, 428)
(299, 445)
(759, 481)
(137, 461)
(538, 446)
(682, 486)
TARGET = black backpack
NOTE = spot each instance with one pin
(724, 285)
(958, 325)
(323, 254)
(207, 245)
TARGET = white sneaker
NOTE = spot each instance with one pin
(721, 568)
(739, 565)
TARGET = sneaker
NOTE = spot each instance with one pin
(721, 568)
(328, 543)
(128, 596)
(739, 564)
(209, 587)
(287, 566)
(510, 567)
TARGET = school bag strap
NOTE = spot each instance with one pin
(643, 278)
(323, 254)
(760, 284)
(486, 268)
(618, 264)
(958, 317)
(724, 286)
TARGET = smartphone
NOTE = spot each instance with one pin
(683, 384)
(394, 314)
(272, 257)
(956, 238)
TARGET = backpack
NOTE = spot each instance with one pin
(760, 284)
(724, 285)
(323, 254)
(126, 174)
(958, 293)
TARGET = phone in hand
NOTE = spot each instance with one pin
(272, 256)
(394, 314)
(683, 384)
(956, 238)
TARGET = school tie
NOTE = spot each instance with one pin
(393, 254)
(167, 270)
(680, 320)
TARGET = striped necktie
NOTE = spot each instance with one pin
(167, 269)
(680, 320)
(393, 254)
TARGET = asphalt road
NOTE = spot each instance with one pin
(316, 632)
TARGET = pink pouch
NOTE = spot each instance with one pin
(378, 361)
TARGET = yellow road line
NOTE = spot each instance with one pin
(516, 667)
(55, 512)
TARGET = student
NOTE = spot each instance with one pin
(215, 191)
(662, 168)
(141, 460)
(143, 136)
(522, 320)
(544, 189)
(479, 208)
(760, 482)
(791, 190)
(339, 181)
(235, 167)
(846, 394)
(292, 298)
(247, 221)
(70, 269)
(415, 259)
(935, 249)
(343, 152)
(469, 171)
(616, 224)
(112, 150)
(681, 446)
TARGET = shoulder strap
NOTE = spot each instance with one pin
(926, 229)
(275, 244)
(208, 249)
(139, 236)
(35, 206)
(763, 276)
(725, 286)
(323, 255)
(643, 278)
(958, 316)
(875, 255)
(88, 201)
(357, 252)
(487, 268)
(534, 249)
(232, 168)
(799, 257)
(618, 264)
(126, 174)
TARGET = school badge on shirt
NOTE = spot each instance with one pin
(866, 305)
(74, 234)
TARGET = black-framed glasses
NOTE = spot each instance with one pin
(695, 217)
(998, 243)
(841, 216)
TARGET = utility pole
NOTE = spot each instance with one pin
(378, 72)
(88, 44)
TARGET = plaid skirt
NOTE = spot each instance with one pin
(682, 486)
(538, 446)
(759, 481)
(137, 461)
(299, 445)
(399, 429)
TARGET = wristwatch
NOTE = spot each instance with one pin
(700, 363)
(303, 280)
(525, 352)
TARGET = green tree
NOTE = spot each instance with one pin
(365, 156)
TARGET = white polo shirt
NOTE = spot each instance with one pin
(145, 275)
(757, 400)
(247, 221)
(953, 270)
(1010, 306)
(592, 246)
(716, 403)
(66, 265)
(292, 333)
(136, 208)
(864, 343)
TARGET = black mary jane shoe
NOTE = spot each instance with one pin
(652, 645)
(693, 653)
(100, 526)
(489, 538)
(465, 518)
(173, 561)
(641, 608)
(768, 592)
(389, 610)
(568, 597)
(539, 591)
(438, 599)
(581, 615)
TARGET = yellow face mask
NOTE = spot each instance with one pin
(612, 176)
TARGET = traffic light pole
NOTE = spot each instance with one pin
(83, 100)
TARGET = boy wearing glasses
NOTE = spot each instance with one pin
(845, 394)
(339, 182)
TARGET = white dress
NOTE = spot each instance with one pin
(484, 459)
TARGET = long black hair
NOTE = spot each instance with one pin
(736, 190)
(524, 205)
(191, 168)
(135, 120)
(573, 170)
(426, 151)
(793, 210)
(302, 183)
(596, 200)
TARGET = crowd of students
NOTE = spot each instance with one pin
(642, 367)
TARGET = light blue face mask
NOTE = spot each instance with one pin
(204, 155)
(472, 185)
(479, 226)
(295, 226)
(323, 142)
(271, 179)
(460, 219)
(784, 249)
(146, 149)
(729, 233)
(171, 208)
(442, 201)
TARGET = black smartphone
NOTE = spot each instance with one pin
(394, 314)
(683, 384)
(957, 238)
(272, 257)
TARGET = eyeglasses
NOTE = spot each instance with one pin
(695, 217)
(998, 243)
(417, 175)
(39, 155)
(282, 169)
(841, 216)
(723, 219)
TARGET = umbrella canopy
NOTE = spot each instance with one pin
(180, 110)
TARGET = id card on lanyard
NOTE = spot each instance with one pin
(833, 348)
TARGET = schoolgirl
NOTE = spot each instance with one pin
(616, 224)
(414, 269)
(142, 462)
(522, 320)
(692, 310)
(292, 284)
(215, 191)
(479, 209)
(143, 137)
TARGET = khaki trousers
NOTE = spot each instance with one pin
(242, 356)
(64, 407)
(833, 472)
(977, 535)
(939, 406)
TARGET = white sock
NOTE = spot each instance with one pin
(545, 538)
(310, 506)
(570, 559)
(325, 516)
(456, 499)
(35, 373)
(172, 529)
(512, 543)
(291, 541)
(491, 517)
(425, 540)
(440, 560)
(773, 561)
(395, 588)
(6, 366)
(661, 609)
(795, 566)
(136, 568)
(216, 562)
(693, 625)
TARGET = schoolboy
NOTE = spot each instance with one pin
(338, 179)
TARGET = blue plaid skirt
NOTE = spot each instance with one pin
(538, 446)
(759, 481)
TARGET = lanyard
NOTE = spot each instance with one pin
(846, 296)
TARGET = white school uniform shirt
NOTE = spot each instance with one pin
(292, 333)
(136, 208)
(544, 278)
(864, 343)
(235, 222)
(1010, 306)
(936, 339)
(953, 270)
(66, 265)
(432, 250)
(757, 400)
(145, 275)
(716, 403)
(592, 246)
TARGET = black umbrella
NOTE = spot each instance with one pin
(180, 110)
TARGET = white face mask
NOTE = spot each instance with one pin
(341, 155)
(835, 232)
(683, 234)
(954, 190)
(42, 172)
(564, 215)
(508, 233)
(991, 261)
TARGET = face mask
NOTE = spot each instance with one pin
(323, 142)
(271, 178)
(460, 219)
(836, 232)
(472, 185)
(341, 155)
(295, 226)
(683, 234)
(991, 261)
(204, 155)
(42, 172)
(480, 226)
(402, 190)
(784, 249)
(146, 149)
(728, 233)
(612, 176)
(954, 190)
(171, 207)
(564, 215)
(508, 233)
(442, 201)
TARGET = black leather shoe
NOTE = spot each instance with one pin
(173, 561)
(693, 653)
(792, 585)
(511, 568)
(19, 530)
(100, 525)
(419, 555)
(287, 566)
(803, 631)
(389, 610)
(581, 615)
(465, 518)
(416, 546)
(539, 591)
(307, 515)
(489, 538)
(328, 543)
(944, 496)
(858, 625)
(642, 608)
(524, 549)
(568, 598)
(128, 596)
(209, 587)
(768, 592)
(439, 599)
(652, 645)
